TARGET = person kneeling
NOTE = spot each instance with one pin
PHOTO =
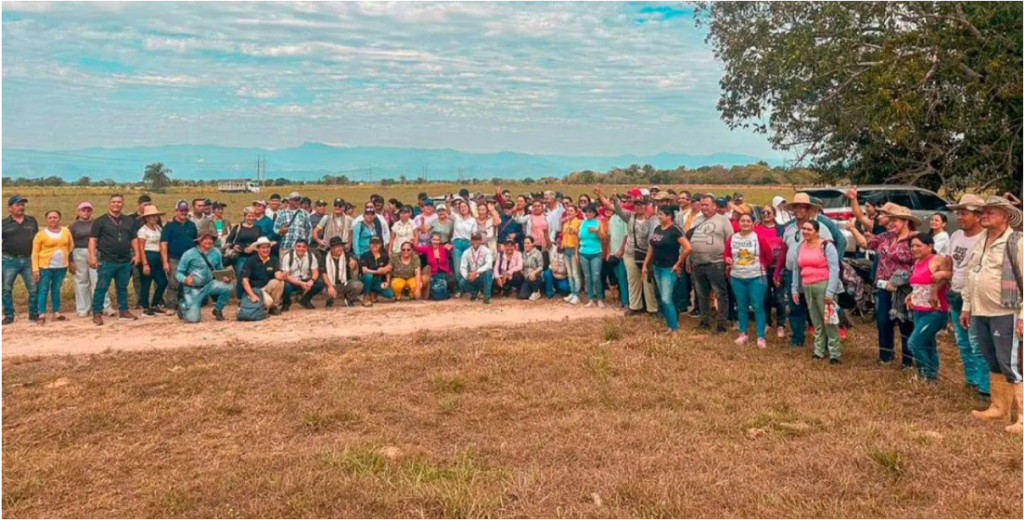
(476, 265)
(301, 274)
(335, 276)
(196, 274)
(262, 271)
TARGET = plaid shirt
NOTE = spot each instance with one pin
(300, 227)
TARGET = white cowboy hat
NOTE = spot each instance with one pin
(1013, 213)
(261, 241)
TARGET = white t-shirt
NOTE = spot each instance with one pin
(57, 260)
(941, 243)
(960, 247)
(746, 257)
(150, 238)
(403, 232)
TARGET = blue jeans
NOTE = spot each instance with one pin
(923, 345)
(684, 288)
(14, 266)
(156, 276)
(886, 334)
(49, 284)
(459, 246)
(665, 278)
(750, 293)
(482, 283)
(797, 312)
(120, 273)
(572, 266)
(193, 299)
(553, 286)
(975, 366)
(775, 298)
(239, 264)
(373, 283)
(591, 265)
(620, 273)
(290, 289)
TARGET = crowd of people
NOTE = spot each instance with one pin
(664, 253)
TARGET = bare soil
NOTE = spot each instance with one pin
(81, 336)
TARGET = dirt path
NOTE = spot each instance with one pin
(80, 336)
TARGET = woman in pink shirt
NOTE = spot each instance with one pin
(817, 277)
(508, 269)
(929, 283)
(437, 256)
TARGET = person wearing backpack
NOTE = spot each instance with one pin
(817, 278)
(992, 307)
(195, 274)
(301, 274)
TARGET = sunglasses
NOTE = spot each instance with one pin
(406, 250)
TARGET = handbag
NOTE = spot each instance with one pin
(230, 253)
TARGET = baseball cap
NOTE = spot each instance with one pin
(85, 205)
(635, 192)
(320, 202)
(339, 203)
(306, 200)
(275, 196)
(737, 196)
(293, 196)
(16, 199)
(145, 198)
(261, 202)
(722, 202)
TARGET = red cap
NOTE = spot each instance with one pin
(635, 193)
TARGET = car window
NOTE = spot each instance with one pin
(902, 197)
(929, 202)
(830, 199)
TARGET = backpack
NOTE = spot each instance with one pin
(249, 311)
(438, 287)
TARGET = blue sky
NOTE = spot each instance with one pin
(578, 78)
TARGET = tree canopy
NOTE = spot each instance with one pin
(157, 176)
(927, 93)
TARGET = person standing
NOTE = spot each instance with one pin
(337, 224)
(241, 237)
(747, 257)
(195, 273)
(147, 250)
(464, 227)
(366, 229)
(639, 228)
(591, 234)
(617, 234)
(292, 224)
(217, 224)
(83, 275)
(667, 253)
(110, 252)
(817, 279)
(711, 230)
(264, 220)
(961, 244)
(318, 214)
(198, 215)
(992, 306)
(178, 235)
(937, 228)
(402, 231)
(803, 209)
(929, 284)
(570, 250)
(685, 218)
(273, 205)
(19, 230)
(51, 254)
(775, 297)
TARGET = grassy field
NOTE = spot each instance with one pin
(596, 418)
(66, 200)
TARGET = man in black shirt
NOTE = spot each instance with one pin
(263, 271)
(110, 253)
(19, 230)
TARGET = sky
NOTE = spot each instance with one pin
(550, 78)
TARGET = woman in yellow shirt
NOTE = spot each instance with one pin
(570, 249)
(51, 252)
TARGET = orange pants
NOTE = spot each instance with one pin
(397, 284)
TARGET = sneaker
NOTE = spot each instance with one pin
(472, 297)
(110, 313)
(589, 304)
(82, 314)
(33, 317)
(149, 313)
(160, 309)
(761, 343)
(742, 340)
(721, 330)
(600, 304)
(567, 298)
(127, 316)
(276, 311)
(694, 314)
(457, 295)
(329, 304)
(487, 301)
(574, 300)
(306, 304)
(535, 296)
(781, 332)
(218, 315)
(703, 326)
(8, 320)
(817, 357)
(835, 361)
(97, 319)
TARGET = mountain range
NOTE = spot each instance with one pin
(311, 161)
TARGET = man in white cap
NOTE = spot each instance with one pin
(992, 306)
(292, 223)
(961, 244)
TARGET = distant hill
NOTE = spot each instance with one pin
(314, 160)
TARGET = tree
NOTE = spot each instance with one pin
(157, 176)
(927, 93)
(83, 180)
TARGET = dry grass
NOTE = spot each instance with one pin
(595, 418)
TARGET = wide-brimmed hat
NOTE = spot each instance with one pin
(801, 199)
(1013, 213)
(969, 202)
(294, 196)
(205, 232)
(151, 210)
(662, 196)
(335, 241)
(901, 212)
(261, 241)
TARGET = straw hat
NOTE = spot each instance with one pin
(261, 241)
(1013, 213)
(801, 199)
(901, 212)
(968, 202)
(150, 211)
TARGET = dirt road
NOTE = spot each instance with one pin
(80, 336)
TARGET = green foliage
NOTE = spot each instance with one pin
(927, 93)
(759, 173)
(157, 176)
